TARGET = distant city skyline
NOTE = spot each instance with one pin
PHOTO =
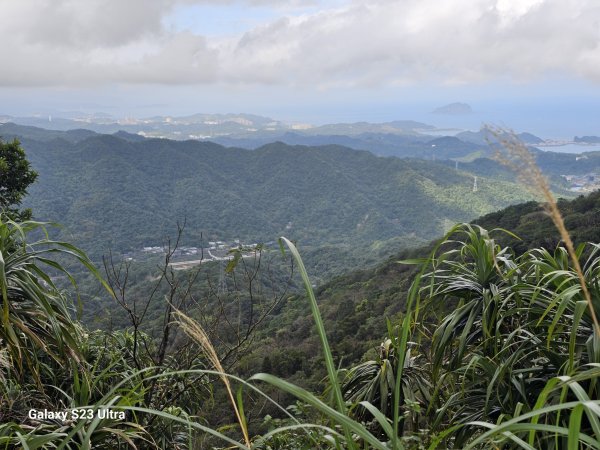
(530, 64)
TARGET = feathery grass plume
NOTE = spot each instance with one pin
(194, 330)
(517, 157)
(4, 363)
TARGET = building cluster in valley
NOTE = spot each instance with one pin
(185, 257)
(583, 183)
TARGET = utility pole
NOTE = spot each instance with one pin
(222, 287)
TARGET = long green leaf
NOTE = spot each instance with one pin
(331, 368)
(341, 419)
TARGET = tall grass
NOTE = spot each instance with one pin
(197, 333)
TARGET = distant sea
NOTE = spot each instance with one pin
(553, 120)
(570, 148)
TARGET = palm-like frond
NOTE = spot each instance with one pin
(514, 323)
(37, 319)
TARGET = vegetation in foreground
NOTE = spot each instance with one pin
(515, 363)
(495, 349)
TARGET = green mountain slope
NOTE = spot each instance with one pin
(110, 192)
(381, 144)
(355, 305)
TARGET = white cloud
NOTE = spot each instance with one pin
(75, 24)
(374, 42)
(458, 41)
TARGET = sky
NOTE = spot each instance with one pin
(527, 64)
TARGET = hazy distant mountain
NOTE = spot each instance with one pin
(9, 131)
(587, 139)
(351, 129)
(454, 109)
(215, 126)
(195, 126)
(382, 144)
(129, 136)
(529, 138)
(482, 137)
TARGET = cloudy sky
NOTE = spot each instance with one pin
(313, 60)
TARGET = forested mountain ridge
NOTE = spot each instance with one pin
(121, 193)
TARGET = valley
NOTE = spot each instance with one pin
(126, 194)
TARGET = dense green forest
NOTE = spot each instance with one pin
(114, 192)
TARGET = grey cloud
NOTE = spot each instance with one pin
(374, 42)
(457, 42)
(185, 58)
(91, 23)
(70, 42)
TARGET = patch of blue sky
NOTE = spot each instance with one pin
(237, 17)
(216, 20)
